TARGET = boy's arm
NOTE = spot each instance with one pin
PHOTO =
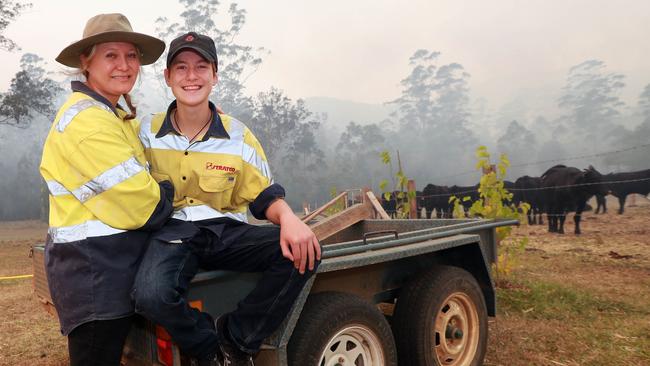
(298, 242)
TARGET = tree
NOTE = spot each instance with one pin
(275, 115)
(434, 97)
(236, 62)
(286, 129)
(29, 102)
(433, 113)
(31, 92)
(357, 153)
(624, 138)
(415, 106)
(518, 142)
(303, 170)
(303, 152)
(590, 98)
(9, 11)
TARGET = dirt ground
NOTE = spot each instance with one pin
(597, 311)
(584, 300)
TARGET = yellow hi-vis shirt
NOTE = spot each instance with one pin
(96, 171)
(217, 176)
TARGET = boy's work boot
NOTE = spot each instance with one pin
(228, 354)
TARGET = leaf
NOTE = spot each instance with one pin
(504, 160)
(385, 157)
(383, 184)
(403, 181)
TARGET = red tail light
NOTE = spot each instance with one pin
(165, 347)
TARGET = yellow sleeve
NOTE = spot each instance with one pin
(255, 175)
(117, 188)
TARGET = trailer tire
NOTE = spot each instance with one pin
(337, 328)
(441, 319)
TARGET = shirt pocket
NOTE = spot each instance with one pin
(218, 190)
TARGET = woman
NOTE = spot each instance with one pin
(102, 198)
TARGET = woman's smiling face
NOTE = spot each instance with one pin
(112, 69)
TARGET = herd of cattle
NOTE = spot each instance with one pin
(559, 190)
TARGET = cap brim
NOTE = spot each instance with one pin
(150, 47)
(198, 50)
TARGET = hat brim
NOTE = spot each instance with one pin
(196, 49)
(150, 47)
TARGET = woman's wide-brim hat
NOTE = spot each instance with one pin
(111, 28)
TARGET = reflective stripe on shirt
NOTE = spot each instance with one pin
(91, 228)
(108, 179)
(251, 156)
(56, 188)
(180, 143)
(77, 108)
(172, 141)
(204, 212)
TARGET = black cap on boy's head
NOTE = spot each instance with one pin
(199, 43)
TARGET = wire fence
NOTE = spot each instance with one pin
(539, 188)
(578, 157)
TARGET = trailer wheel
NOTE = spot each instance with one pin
(341, 329)
(441, 319)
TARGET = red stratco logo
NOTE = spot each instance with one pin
(211, 166)
(189, 38)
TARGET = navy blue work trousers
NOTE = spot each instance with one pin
(169, 265)
(98, 342)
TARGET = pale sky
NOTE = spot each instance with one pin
(359, 49)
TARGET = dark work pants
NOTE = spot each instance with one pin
(99, 342)
(167, 268)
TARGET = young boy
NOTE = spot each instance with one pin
(219, 170)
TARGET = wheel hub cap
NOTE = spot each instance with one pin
(353, 346)
(456, 331)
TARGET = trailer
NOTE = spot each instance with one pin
(417, 292)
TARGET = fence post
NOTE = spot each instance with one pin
(491, 169)
(413, 209)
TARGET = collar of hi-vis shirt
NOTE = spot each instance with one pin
(216, 128)
(78, 86)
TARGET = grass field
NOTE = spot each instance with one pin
(570, 301)
(578, 300)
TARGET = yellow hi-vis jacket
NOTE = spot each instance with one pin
(100, 192)
(96, 172)
(219, 176)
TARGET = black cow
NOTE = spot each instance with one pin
(436, 198)
(601, 201)
(622, 184)
(390, 206)
(419, 200)
(527, 189)
(567, 187)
